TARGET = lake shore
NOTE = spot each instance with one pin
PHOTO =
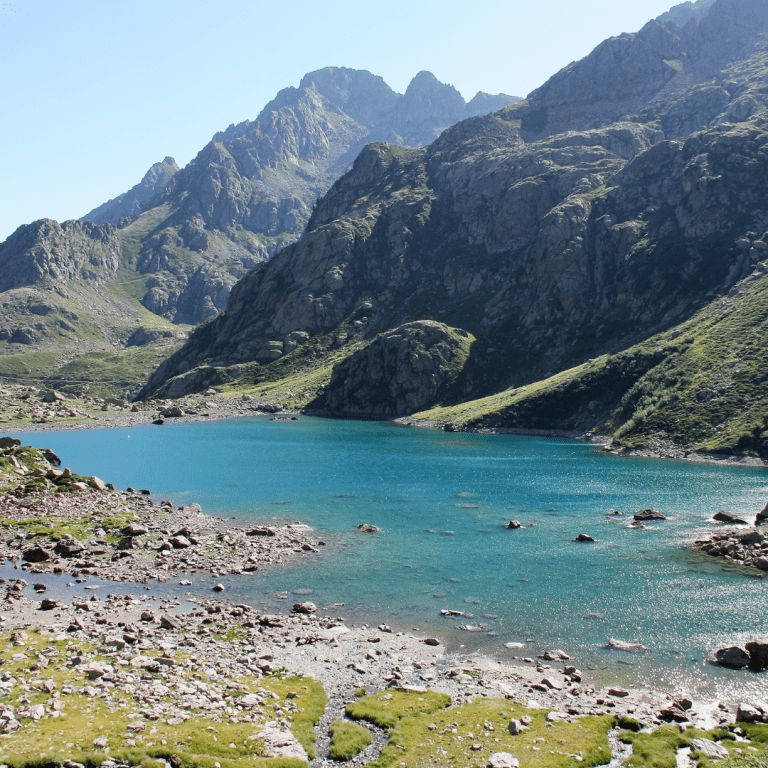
(128, 538)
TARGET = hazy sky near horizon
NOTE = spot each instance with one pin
(93, 92)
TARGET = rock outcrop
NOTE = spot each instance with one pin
(49, 255)
(399, 372)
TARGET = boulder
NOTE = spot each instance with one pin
(37, 554)
(515, 727)
(52, 396)
(48, 604)
(584, 538)
(261, 532)
(647, 515)
(758, 655)
(282, 744)
(710, 749)
(68, 546)
(748, 713)
(734, 657)
(513, 525)
(134, 529)
(9, 442)
(402, 371)
(728, 518)
(305, 608)
(180, 542)
(762, 516)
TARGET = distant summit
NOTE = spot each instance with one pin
(129, 204)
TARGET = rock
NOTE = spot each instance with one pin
(37, 554)
(218, 588)
(758, 655)
(261, 532)
(734, 657)
(583, 537)
(513, 525)
(49, 604)
(431, 641)
(168, 623)
(134, 529)
(125, 544)
(618, 693)
(9, 442)
(304, 608)
(368, 528)
(180, 542)
(516, 727)
(282, 744)
(710, 749)
(556, 655)
(728, 518)
(748, 713)
(648, 515)
(67, 546)
(52, 396)
(553, 685)
(502, 760)
(99, 485)
(96, 670)
(762, 516)
(174, 412)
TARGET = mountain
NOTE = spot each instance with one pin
(121, 287)
(250, 190)
(129, 205)
(621, 201)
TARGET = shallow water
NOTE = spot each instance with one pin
(442, 500)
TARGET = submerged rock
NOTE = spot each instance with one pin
(368, 528)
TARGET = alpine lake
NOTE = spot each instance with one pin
(442, 501)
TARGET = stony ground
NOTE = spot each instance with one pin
(122, 679)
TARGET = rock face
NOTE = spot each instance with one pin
(48, 255)
(400, 372)
(130, 204)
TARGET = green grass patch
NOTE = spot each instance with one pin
(348, 740)
(447, 737)
(386, 709)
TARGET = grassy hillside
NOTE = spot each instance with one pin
(700, 386)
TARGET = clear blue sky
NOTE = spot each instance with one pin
(92, 92)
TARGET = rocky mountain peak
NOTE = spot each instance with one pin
(130, 204)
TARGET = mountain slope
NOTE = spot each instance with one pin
(548, 248)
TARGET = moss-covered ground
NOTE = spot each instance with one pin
(90, 722)
(348, 740)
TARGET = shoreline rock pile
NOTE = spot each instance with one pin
(742, 547)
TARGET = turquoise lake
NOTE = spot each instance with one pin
(441, 501)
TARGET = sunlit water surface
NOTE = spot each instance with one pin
(441, 501)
